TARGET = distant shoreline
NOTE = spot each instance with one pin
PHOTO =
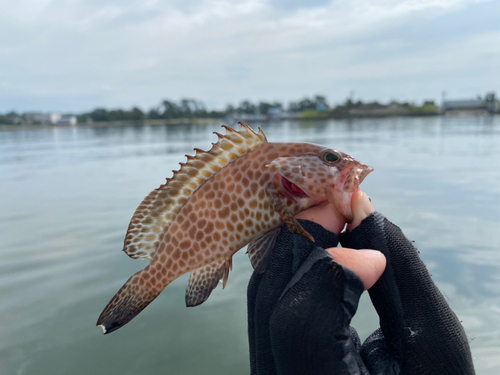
(200, 121)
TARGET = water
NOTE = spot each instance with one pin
(67, 196)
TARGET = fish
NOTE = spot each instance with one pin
(238, 193)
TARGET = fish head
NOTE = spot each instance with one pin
(320, 176)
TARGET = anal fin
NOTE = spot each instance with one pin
(205, 279)
(292, 224)
(260, 248)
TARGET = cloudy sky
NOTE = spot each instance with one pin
(75, 55)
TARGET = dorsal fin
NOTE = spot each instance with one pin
(158, 209)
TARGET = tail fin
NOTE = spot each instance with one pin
(130, 300)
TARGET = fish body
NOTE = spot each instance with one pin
(238, 193)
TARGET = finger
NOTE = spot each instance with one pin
(325, 215)
(361, 207)
(369, 265)
(367, 204)
(358, 209)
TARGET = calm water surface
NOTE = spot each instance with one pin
(66, 196)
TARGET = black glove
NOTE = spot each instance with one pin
(419, 333)
(299, 310)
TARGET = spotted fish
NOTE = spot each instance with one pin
(239, 192)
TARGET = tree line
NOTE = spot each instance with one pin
(191, 108)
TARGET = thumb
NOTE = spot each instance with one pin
(369, 265)
(361, 208)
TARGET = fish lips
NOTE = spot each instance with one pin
(365, 171)
(355, 177)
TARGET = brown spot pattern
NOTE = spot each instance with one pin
(214, 205)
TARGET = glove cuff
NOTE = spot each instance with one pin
(369, 234)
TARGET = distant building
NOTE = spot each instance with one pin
(41, 118)
(55, 117)
(67, 120)
(274, 113)
(36, 118)
(487, 105)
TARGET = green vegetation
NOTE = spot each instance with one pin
(312, 113)
(190, 110)
(10, 118)
(427, 109)
(372, 109)
(101, 114)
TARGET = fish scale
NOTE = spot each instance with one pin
(239, 192)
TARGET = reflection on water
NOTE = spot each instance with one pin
(67, 196)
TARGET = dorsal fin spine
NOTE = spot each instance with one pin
(262, 135)
(236, 134)
(223, 140)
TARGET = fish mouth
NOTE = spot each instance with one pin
(292, 190)
(355, 177)
(365, 172)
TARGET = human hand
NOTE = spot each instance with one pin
(300, 308)
(367, 264)
(303, 303)
(331, 219)
(419, 333)
(361, 207)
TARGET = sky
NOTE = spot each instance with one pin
(77, 55)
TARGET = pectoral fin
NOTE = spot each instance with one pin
(205, 279)
(260, 248)
(292, 224)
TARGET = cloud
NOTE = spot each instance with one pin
(62, 54)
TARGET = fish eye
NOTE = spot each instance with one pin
(330, 157)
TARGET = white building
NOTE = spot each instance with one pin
(42, 118)
(66, 120)
(55, 117)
